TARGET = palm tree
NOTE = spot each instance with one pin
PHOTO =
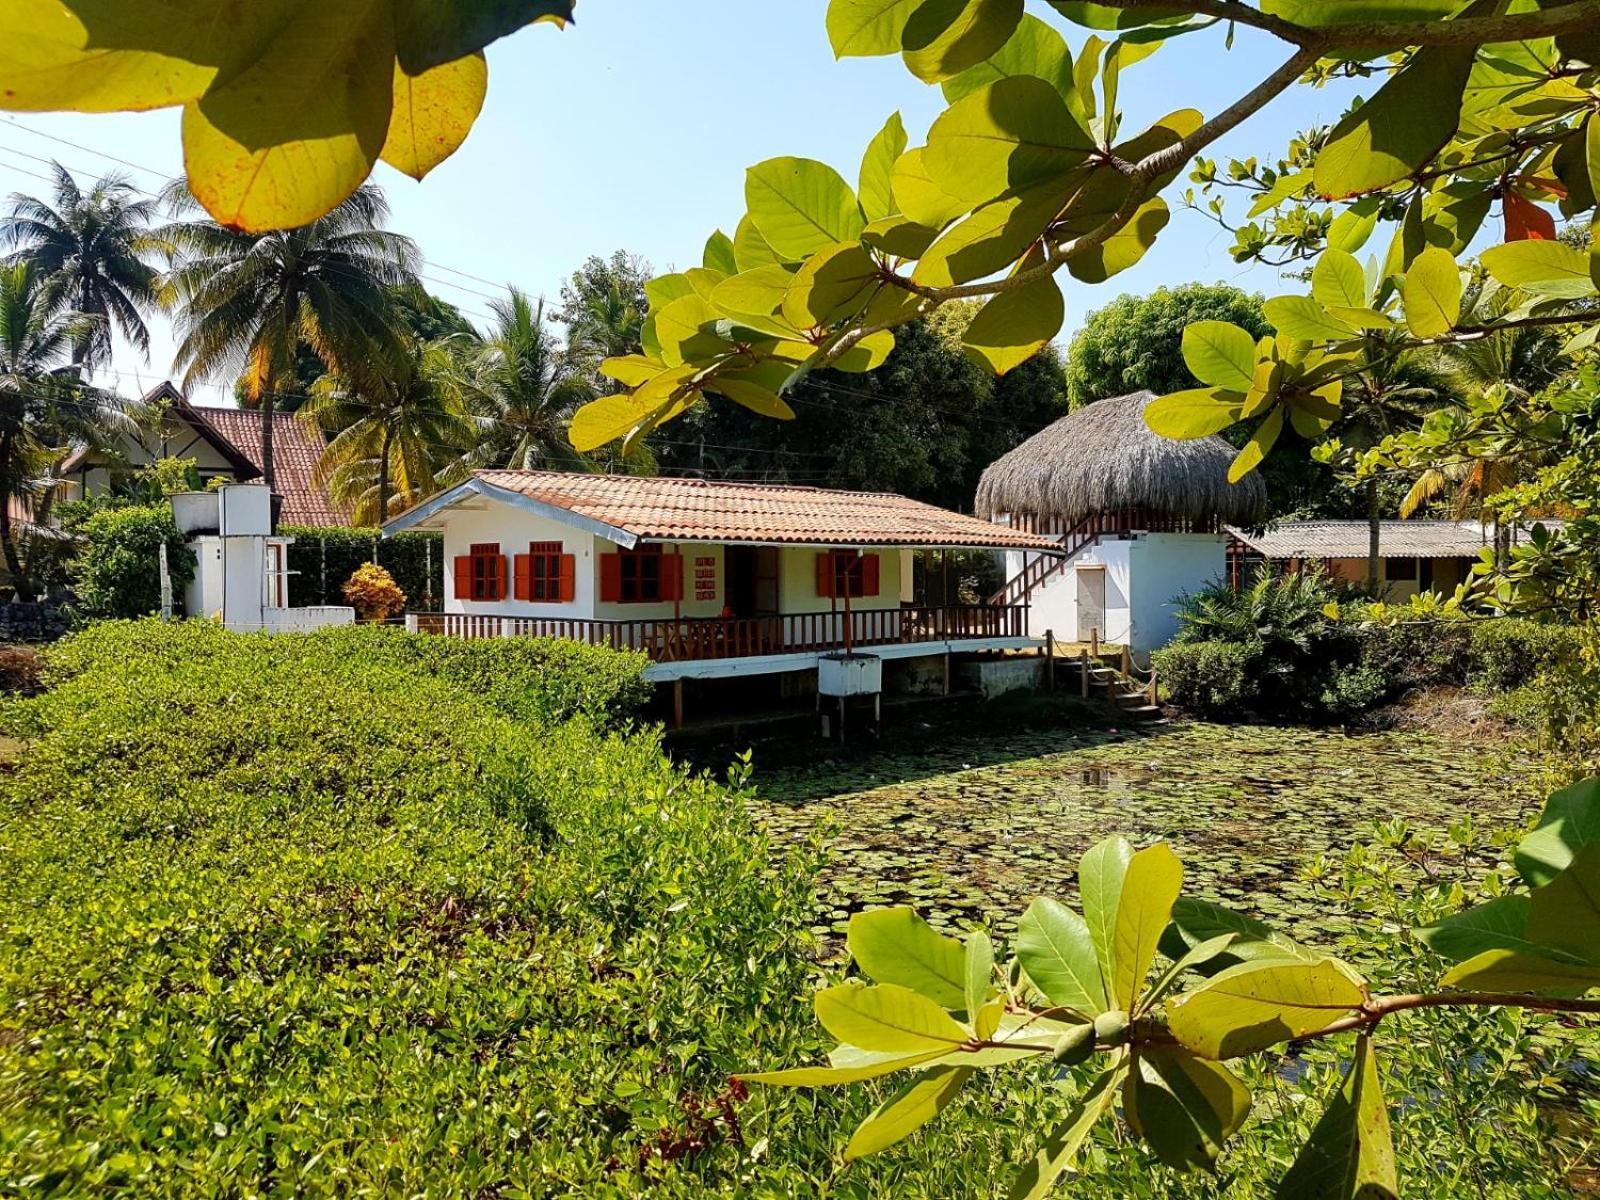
(45, 408)
(247, 302)
(88, 250)
(394, 427)
(520, 391)
(606, 324)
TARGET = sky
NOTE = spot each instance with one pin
(632, 128)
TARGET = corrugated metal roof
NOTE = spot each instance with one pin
(670, 509)
(1349, 539)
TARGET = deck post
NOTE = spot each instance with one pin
(1094, 642)
(1127, 660)
(677, 703)
(1083, 673)
(947, 672)
(1049, 660)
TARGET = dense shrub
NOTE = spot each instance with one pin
(323, 559)
(1511, 653)
(373, 593)
(116, 569)
(1211, 679)
(315, 915)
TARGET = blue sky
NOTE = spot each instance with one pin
(632, 129)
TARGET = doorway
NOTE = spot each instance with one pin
(752, 580)
(1091, 583)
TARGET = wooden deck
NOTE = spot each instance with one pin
(700, 639)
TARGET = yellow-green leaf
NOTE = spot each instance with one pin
(834, 282)
(920, 196)
(1184, 1106)
(1255, 451)
(1302, 318)
(631, 369)
(1124, 248)
(1515, 971)
(887, 1017)
(1014, 326)
(1259, 1004)
(719, 254)
(1220, 354)
(1035, 49)
(801, 205)
(866, 355)
(832, 1076)
(908, 1110)
(682, 330)
(1337, 281)
(755, 297)
(895, 945)
(1432, 293)
(610, 417)
(877, 170)
(433, 113)
(1570, 821)
(1060, 1147)
(752, 396)
(1151, 883)
(1545, 268)
(750, 249)
(863, 28)
(1350, 1154)
(1058, 954)
(1197, 413)
(990, 240)
(1010, 137)
(942, 38)
(1100, 874)
(899, 237)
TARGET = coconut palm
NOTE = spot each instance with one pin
(46, 410)
(520, 390)
(245, 303)
(394, 427)
(89, 250)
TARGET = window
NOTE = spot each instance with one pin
(847, 573)
(641, 576)
(481, 574)
(547, 573)
(1400, 570)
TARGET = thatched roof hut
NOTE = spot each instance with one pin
(1103, 458)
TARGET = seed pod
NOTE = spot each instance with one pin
(1111, 1028)
(1075, 1045)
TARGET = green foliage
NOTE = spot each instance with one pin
(321, 559)
(1134, 342)
(500, 953)
(116, 571)
(946, 1011)
(1211, 678)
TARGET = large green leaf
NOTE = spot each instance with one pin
(719, 254)
(899, 237)
(1196, 413)
(1514, 971)
(1545, 268)
(877, 170)
(433, 113)
(887, 1017)
(895, 945)
(1303, 319)
(1337, 281)
(979, 975)
(1057, 953)
(1317, 13)
(686, 330)
(1350, 1154)
(1014, 326)
(1260, 1004)
(870, 1065)
(760, 400)
(990, 240)
(1123, 248)
(1035, 49)
(611, 417)
(1432, 293)
(1101, 873)
(942, 38)
(1564, 914)
(1398, 130)
(1060, 1147)
(1009, 137)
(908, 1110)
(751, 250)
(1498, 925)
(920, 196)
(835, 282)
(863, 28)
(429, 33)
(1255, 451)
(1184, 1106)
(1571, 821)
(1109, 16)
(1220, 354)
(801, 206)
(1151, 883)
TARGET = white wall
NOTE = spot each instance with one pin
(175, 439)
(1164, 567)
(1053, 605)
(514, 529)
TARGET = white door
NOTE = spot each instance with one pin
(1091, 602)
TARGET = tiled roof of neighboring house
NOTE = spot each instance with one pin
(670, 509)
(295, 450)
(1349, 539)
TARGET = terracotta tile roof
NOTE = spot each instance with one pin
(667, 509)
(295, 450)
(1348, 539)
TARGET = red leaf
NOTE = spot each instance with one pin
(1526, 221)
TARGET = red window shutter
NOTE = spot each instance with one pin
(463, 577)
(522, 577)
(569, 578)
(825, 574)
(611, 578)
(869, 574)
(500, 573)
(672, 577)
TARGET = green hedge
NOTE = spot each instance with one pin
(333, 914)
(323, 559)
(116, 566)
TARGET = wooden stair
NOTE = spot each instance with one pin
(1074, 542)
(1116, 680)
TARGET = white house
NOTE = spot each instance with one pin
(710, 579)
(1137, 521)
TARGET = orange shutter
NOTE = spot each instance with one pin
(825, 574)
(611, 578)
(522, 577)
(463, 577)
(500, 574)
(869, 574)
(672, 577)
(569, 578)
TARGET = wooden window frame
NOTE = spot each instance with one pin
(544, 572)
(642, 575)
(487, 572)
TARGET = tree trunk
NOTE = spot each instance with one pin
(268, 475)
(8, 541)
(383, 480)
(1374, 537)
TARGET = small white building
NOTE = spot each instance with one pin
(241, 574)
(1137, 521)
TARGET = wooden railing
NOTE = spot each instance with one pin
(1040, 567)
(697, 638)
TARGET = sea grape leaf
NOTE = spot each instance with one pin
(1060, 1147)
(908, 1110)
(887, 1017)
(800, 206)
(895, 945)
(1058, 954)
(1260, 1004)
(1014, 326)
(1350, 1154)
(1220, 353)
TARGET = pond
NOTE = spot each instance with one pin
(971, 824)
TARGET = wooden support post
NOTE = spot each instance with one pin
(677, 704)
(1094, 642)
(1083, 673)
(1049, 660)
(1127, 661)
(947, 673)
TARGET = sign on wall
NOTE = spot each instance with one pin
(705, 577)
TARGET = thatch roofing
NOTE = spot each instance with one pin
(1103, 457)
